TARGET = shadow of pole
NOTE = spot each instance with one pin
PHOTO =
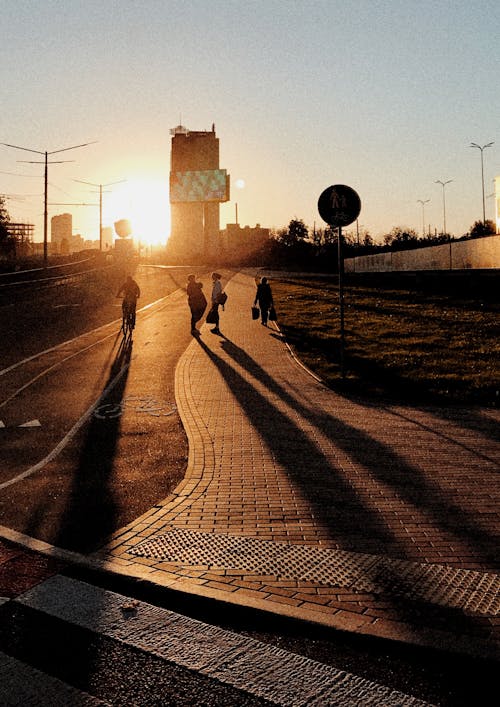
(383, 464)
(331, 498)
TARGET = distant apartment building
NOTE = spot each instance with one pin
(197, 186)
(239, 244)
(61, 229)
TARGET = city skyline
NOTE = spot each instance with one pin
(385, 97)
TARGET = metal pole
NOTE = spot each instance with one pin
(481, 149)
(443, 184)
(45, 249)
(482, 182)
(341, 303)
(100, 218)
(423, 202)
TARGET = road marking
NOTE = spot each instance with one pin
(114, 323)
(256, 668)
(67, 438)
(31, 423)
(144, 405)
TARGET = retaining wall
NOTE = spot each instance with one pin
(480, 253)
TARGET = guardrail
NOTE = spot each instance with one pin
(37, 282)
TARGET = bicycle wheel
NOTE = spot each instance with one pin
(124, 326)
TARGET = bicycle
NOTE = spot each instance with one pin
(128, 318)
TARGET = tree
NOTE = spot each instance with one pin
(4, 220)
(401, 237)
(296, 232)
(480, 229)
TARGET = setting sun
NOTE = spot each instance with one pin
(146, 204)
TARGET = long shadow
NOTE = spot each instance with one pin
(319, 480)
(331, 498)
(89, 515)
(88, 519)
(382, 462)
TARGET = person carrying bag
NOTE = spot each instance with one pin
(264, 297)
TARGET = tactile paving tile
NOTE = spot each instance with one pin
(471, 590)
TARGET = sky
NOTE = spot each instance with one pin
(383, 96)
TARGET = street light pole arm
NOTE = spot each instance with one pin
(74, 147)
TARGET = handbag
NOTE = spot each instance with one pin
(255, 312)
(272, 314)
(212, 316)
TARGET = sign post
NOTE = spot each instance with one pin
(339, 205)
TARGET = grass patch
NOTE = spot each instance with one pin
(401, 344)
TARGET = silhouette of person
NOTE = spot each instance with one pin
(196, 300)
(264, 297)
(216, 293)
(131, 292)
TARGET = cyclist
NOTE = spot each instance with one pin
(131, 292)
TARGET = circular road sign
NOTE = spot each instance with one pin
(339, 205)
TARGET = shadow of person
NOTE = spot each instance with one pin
(89, 515)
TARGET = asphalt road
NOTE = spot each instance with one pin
(124, 449)
(90, 433)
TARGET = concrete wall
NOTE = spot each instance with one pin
(480, 253)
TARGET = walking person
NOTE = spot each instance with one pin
(264, 297)
(216, 294)
(196, 300)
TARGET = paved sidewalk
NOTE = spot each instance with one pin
(373, 518)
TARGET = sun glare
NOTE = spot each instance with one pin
(145, 204)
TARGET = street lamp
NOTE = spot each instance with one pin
(443, 184)
(100, 202)
(481, 148)
(45, 162)
(423, 202)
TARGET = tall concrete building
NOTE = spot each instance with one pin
(61, 229)
(197, 186)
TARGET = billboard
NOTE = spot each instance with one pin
(199, 185)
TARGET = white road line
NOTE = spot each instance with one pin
(67, 438)
(256, 668)
(51, 368)
(70, 341)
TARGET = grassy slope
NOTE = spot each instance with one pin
(408, 345)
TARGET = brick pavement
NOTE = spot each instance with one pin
(375, 518)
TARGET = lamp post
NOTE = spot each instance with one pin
(423, 202)
(443, 184)
(100, 202)
(482, 148)
(46, 163)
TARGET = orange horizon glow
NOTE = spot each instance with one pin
(145, 203)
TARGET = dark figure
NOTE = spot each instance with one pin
(196, 300)
(264, 297)
(216, 292)
(131, 293)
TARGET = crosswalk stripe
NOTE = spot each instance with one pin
(256, 668)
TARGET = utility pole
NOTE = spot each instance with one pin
(45, 162)
(110, 184)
